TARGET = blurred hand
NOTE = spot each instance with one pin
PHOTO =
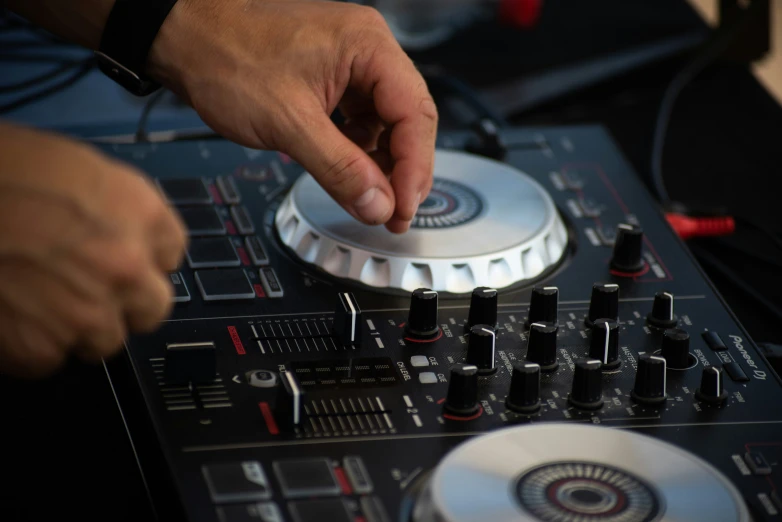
(85, 247)
(269, 73)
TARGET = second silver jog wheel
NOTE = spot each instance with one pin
(575, 473)
(484, 223)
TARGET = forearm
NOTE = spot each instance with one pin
(79, 21)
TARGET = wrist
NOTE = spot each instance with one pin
(169, 59)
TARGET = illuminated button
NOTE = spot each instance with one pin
(228, 190)
(333, 510)
(427, 378)
(188, 191)
(181, 293)
(271, 284)
(237, 482)
(224, 284)
(306, 478)
(419, 360)
(256, 250)
(260, 512)
(202, 221)
(212, 252)
(243, 221)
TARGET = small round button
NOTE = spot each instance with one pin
(261, 378)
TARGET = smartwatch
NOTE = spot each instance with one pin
(130, 29)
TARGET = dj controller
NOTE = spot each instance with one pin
(540, 346)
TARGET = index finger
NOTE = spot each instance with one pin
(403, 102)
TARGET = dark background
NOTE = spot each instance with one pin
(64, 451)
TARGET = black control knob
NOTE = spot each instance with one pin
(605, 343)
(480, 348)
(662, 315)
(524, 394)
(587, 391)
(676, 349)
(422, 319)
(347, 319)
(628, 249)
(543, 305)
(462, 398)
(604, 303)
(650, 380)
(542, 346)
(483, 307)
(712, 389)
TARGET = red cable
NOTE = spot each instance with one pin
(688, 227)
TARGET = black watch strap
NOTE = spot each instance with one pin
(130, 29)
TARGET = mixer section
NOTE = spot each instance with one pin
(314, 369)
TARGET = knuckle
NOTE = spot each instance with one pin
(428, 108)
(370, 16)
(47, 360)
(87, 321)
(128, 264)
(345, 174)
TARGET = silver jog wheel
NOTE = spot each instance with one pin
(575, 473)
(484, 223)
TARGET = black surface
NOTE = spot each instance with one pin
(65, 450)
(202, 221)
(211, 252)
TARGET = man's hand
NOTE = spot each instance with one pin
(85, 247)
(268, 74)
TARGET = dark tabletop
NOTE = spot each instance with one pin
(64, 450)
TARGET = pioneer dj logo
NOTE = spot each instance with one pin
(738, 342)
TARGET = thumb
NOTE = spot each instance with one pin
(345, 172)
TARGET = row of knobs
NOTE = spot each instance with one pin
(587, 388)
(423, 322)
(524, 394)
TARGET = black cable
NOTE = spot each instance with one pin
(708, 54)
(141, 129)
(437, 78)
(36, 80)
(81, 72)
(737, 281)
